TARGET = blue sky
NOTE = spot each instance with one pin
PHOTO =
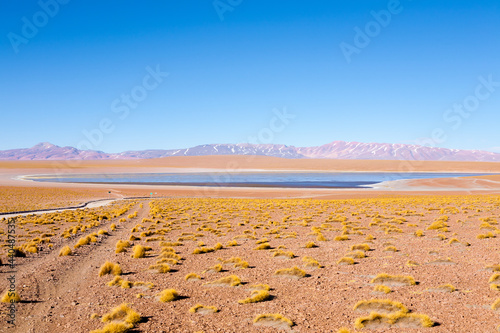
(233, 64)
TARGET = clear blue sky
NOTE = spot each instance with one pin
(226, 76)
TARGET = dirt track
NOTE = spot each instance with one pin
(56, 291)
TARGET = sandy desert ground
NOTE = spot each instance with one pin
(417, 255)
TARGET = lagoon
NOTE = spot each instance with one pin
(249, 179)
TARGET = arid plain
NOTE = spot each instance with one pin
(413, 255)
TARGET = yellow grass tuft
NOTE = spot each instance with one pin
(493, 268)
(411, 263)
(260, 287)
(284, 254)
(440, 224)
(192, 276)
(311, 262)
(341, 238)
(274, 320)
(110, 268)
(419, 233)
(293, 272)
(232, 243)
(10, 297)
(382, 289)
(242, 265)
(257, 296)
(160, 268)
(356, 254)
(262, 241)
(200, 250)
(32, 248)
(102, 232)
(231, 281)
(494, 278)
(115, 282)
(65, 251)
(263, 246)
(82, 241)
(139, 251)
(457, 242)
(496, 305)
(390, 249)
(394, 280)
(217, 268)
(125, 284)
(398, 319)
(361, 247)
(121, 246)
(321, 238)
(380, 306)
(122, 313)
(168, 295)
(484, 236)
(310, 245)
(445, 288)
(143, 285)
(345, 261)
(203, 309)
(170, 255)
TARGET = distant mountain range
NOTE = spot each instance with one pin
(333, 150)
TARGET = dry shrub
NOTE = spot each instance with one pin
(121, 246)
(160, 268)
(110, 268)
(192, 276)
(65, 251)
(394, 280)
(203, 309)
(360, 247)
(139, 251)
(274, 320)
(257, 296)
(346, 261)
(122, 313)
(228, 281)
(168, 295)
(284, 254)
(382, 289)
(380, 306)
(399, 319)
(293, 272)
(263, 246)
(10, 297)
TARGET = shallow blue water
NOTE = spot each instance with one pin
(254, 179)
